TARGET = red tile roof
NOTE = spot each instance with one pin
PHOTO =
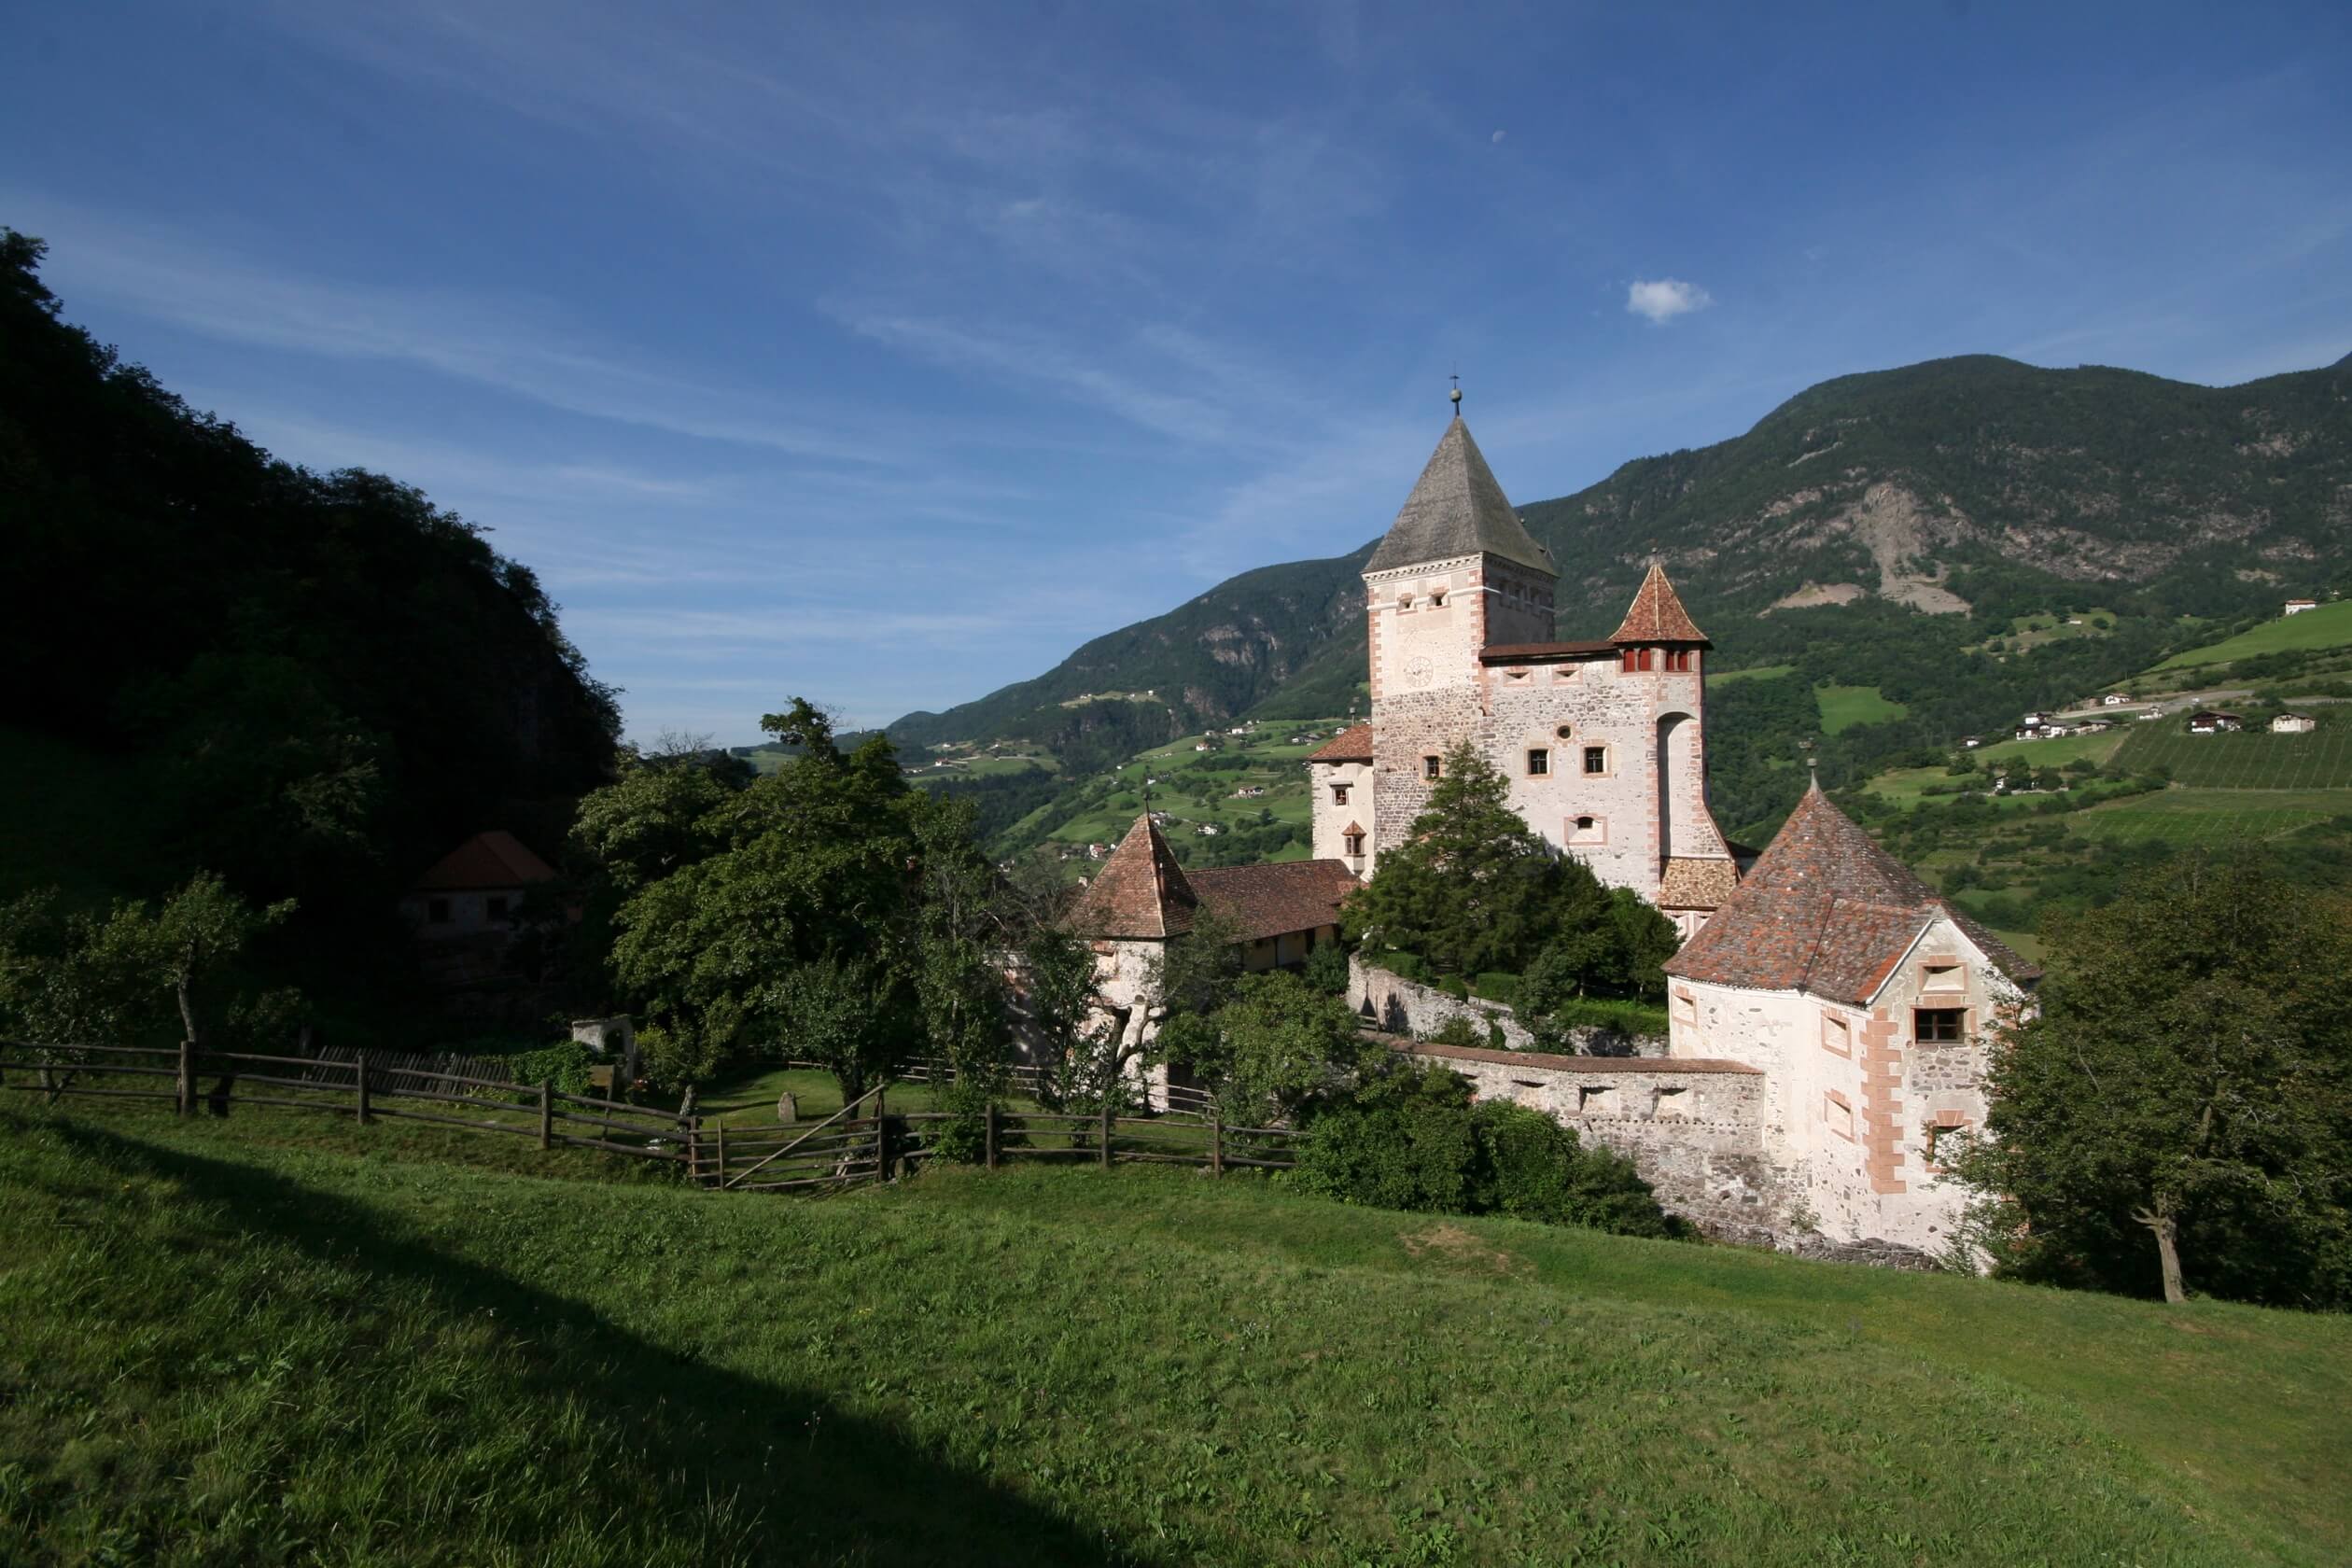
(495, 858)
(1140, 892)
(1693, 882)
(1350, 745)
(1532, 652)
(1572, 1064)
(1658, 614)
(1264, 901)
(1825, 910)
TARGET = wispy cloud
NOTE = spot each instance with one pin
(1661, 300)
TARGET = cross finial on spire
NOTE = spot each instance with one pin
(1812, 763)
(1456, 394)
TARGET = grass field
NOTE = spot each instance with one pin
(2249, 760)
(1842, 707)
(2058, 752)
(2327, 626)
(2211, 815)
(227, 1349)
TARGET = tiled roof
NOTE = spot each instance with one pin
(1827, 911)
(1264, 901)
(1529, 652)
(1140, 892)
(1457, 508)
(1658, 614)
(1692, 882)
(495, 858)
(1350, 745)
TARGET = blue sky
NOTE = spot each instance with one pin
(884, 355)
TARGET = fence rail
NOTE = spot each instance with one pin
(862, 1141)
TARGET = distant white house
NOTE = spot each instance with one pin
(2293, 723)
(2151, 713)
(1202, 745)
(1972, 742)
(2113, 699)
(2093, 726)
(2213, 721)
(1208, 830)
(2296, 606)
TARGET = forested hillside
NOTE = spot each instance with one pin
(1887, 531)
(314, 685)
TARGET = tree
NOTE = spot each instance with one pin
(1471, 888)
(1275, 1045)
(2180, 1107)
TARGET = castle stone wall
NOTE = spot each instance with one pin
(1394, 1006)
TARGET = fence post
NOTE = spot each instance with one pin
(990, 1144)
(359, 1078)
(1216, 1140)
(547, 1113)
(188, 1078)
(1106, 1130)
(881, 1138)
(723, 1149)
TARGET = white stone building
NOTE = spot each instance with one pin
(1865, 1001)
(1603, 742)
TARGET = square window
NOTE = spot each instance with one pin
(1838, 1114)
(1339, 794)
(1837, 1034)
(1354, 843)
(1432, 766)
(494, 907)
(1596, 758)
(1685, 1008)
(1538, 761)
(1943, 1142)
(437, 911)
(1940, 974)
(1939, 1026)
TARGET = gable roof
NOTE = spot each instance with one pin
(1140, 892)
(1350, 745)
(1264, 901)
(1457, 508)
(495, 858)
(1657, 614)
(1826, 910)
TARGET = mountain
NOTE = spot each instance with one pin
(1874, 530)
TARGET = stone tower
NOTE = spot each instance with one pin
(1456, 571)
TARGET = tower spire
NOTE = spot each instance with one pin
(1456, 394)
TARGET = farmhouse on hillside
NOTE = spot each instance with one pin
(2293, 723)
(2213, 721)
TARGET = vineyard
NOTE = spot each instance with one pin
(2251, 760)
(2183, 817)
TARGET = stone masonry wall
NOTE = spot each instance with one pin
(1396, 1005)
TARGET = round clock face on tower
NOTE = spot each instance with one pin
(1416, 672)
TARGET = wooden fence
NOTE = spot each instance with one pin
(862, 1141)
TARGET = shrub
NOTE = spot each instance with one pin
(1402, 1140)
(1460, 1030)
(1498, 986)
(1327, 969)
(564, 1065)
(1531, 1167)
(1451, 986)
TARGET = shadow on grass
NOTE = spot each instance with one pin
(818, 1485)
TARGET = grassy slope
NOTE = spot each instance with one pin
(1844, 707)
(2327, 626)
(227, 1344)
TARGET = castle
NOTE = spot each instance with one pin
(1827, 1011)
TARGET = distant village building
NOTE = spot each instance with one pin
(2293, 723)
(2213, 721)
(1971, 742)
(2296, 606)
(476, 888)
(2114, 699)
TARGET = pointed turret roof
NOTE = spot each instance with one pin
(1825, 910)
(1457, 508)
(1658, 614)
(1141, 893)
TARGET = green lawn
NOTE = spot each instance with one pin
(224, 1348)
(2327, 626)
(2058, 752)
(1842, 707)
(2252, 759)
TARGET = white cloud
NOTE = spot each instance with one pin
(1661, 300)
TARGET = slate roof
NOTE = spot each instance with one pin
(1457, 508)
(1350, 745)
(1529, 652)
(1264, 901)
(1140, 892)
(1825, 910)
(1696, 882)
(1657, 615)
(495, 858)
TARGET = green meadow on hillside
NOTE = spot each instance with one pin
(228, 1348)
(1842, 707)
(2251, 759)
(2329, 626)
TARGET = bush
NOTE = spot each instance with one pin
(1498, 986)
(564, 1065)
(1531, 1167)
(1457, 1030)
(1411, 1139)
(1451, 986)
(1327, 969)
